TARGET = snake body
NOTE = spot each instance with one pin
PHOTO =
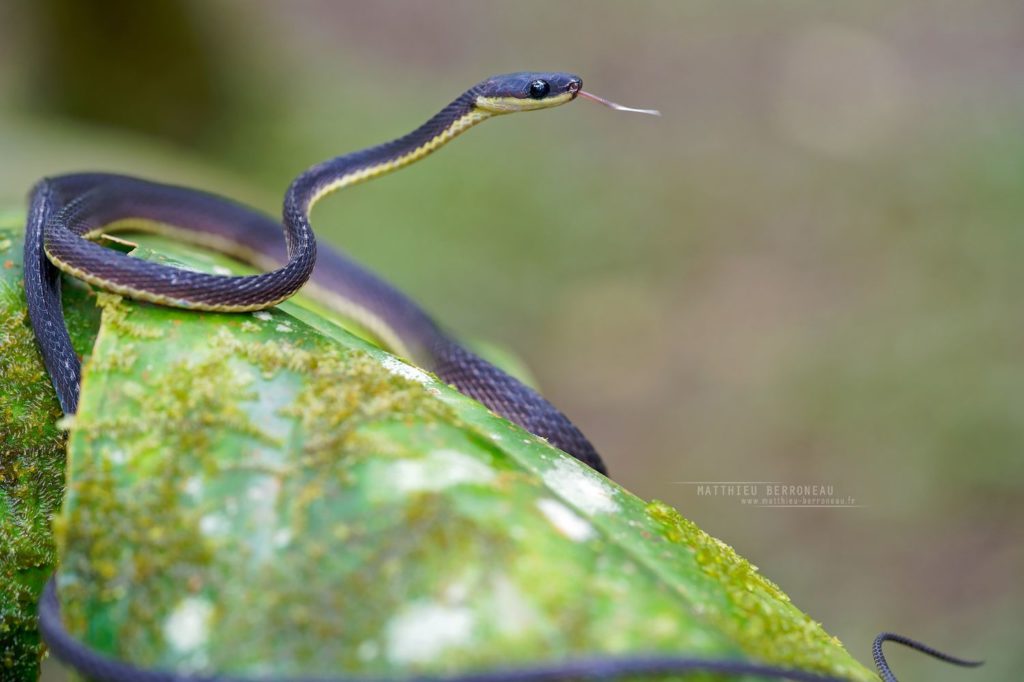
(68, 212)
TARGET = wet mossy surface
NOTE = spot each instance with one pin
(253, 494)
(31, 456)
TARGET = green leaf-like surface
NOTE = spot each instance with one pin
(268, 494)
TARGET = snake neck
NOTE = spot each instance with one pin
(367, 164)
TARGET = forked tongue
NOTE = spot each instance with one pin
(619, 107)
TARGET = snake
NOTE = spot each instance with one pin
(69, 213)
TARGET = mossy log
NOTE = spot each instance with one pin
(269, 494)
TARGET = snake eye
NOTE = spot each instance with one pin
(539, 89)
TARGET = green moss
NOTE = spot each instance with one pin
(116, 317)
(252, 494)
(195, 404)
(309, 498)
(755, 612)
(31, 461)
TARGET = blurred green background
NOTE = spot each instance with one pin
(809, 270)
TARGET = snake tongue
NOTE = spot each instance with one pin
(618, 107)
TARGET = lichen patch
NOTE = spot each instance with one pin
(565, 520)
(581, 487)
(405, 370)
(421, 632)
(438, 470)
(187, 627)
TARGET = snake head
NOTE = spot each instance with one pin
(526, 91)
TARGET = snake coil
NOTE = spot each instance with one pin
(68, 211)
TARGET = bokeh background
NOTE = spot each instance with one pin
(809, 270)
